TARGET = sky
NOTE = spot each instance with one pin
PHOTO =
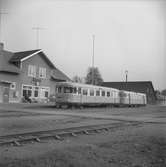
(129, 35)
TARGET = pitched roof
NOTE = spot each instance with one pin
(59, 75)
(18, 56)
(8, 58)
(5, 65)
(137, 86)
(21, 56)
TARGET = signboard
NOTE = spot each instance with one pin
(36, 81)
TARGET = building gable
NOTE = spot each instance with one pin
(23, 56)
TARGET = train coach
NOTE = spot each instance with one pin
(70, 94)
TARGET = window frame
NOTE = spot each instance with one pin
(98, 93)
(92, 92)
(42, 72)
(83, 92)
(108, 94)
(103, 93)
(31, 70)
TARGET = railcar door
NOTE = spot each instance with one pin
(80, 95)
(5, 94)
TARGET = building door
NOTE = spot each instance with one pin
(5, 94)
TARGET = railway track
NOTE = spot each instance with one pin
(59, 134)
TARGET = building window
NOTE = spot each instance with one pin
(32, 71)
(13, 86)
(27, 91)
(42, 72)
(36, 91)
(45, 92)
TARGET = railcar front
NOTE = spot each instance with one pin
(66, 94)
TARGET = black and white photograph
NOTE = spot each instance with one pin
(82, 83)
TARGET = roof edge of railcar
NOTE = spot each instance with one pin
(86, 85)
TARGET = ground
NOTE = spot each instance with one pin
(143, 145)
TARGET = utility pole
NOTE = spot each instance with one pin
(1, 14)
(126, 72)
(93, 57)
(37, 29)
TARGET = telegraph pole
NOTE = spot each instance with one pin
(93, 57)
(1, 14)
(126, 73)
(37, 29)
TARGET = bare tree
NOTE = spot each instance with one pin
(77, 79)
(93, 76)
(163, 92)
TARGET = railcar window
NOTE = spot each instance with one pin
(108, 94)
(97, 93)
(91, 92)
(59, 89)
(103, 93)
(74, 90)
(79, 90)
(85, 92)
(67, 90)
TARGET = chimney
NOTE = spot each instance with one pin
(1, 46)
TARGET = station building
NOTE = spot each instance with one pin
(29, 73)
(135, 86)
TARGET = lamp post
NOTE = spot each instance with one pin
(93, 56)
(126, 74)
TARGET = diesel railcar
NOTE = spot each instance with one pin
(75, 94)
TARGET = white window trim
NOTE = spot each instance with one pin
(33, 68)
(22, 89)
(42, 70)
(40, 90)
(44, 87)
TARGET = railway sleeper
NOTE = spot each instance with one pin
(37, 139)
(17, 143)
(60, 136)
(73, 134)
(57, 137)
(86, 132)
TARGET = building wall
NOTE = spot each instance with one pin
(38, 61)
(14, 94)
(24, 79)
(1, 93)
